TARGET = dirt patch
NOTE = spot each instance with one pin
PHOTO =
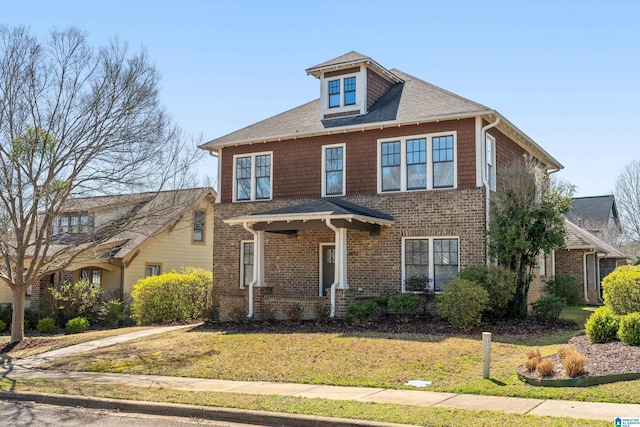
(27, 343)
(610, 358)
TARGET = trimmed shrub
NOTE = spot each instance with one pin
(403, 303)
(546, 368)
(171, 297)
(238, 314)
(322, 312)
(629, 331)
(498, 281)
(3, 326)
(532, 363)
(547, 309)
(602, 325)
(46, 325)
(293, 312)
(77, 325)
(621, 290)
(362, 311)
(74, 299)
(462, 302)
(564, 351)
(567, 287)
(267, 313)
(574, 364)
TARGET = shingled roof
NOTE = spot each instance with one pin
(578, 238)
(592, 211)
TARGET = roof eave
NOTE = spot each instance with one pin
(315, 216)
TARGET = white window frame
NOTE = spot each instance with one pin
(490, 161)
(542, 264)
(431, 258)
(242, 243)
(324, 169)
(360, 93)
(252, 197)
(403, 161)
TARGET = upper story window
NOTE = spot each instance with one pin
(490, 144)
(345, 87)
(252, 176)
(199, 217)
(71, 223)
(417, 163)
(333, 170)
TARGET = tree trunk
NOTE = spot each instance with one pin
(518, 306)
(17, 319)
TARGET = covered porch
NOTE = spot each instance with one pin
(333, 215)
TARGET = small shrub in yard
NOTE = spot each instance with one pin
(363, 311)
(462, 302)
(564, 351)
(567, 287)
(238, 314)
(546, 368)
(268, 314)
(77, 325)
(547, 309)
(294, 312)
(574, 364)
(532, 363)
(46, 325)
(322, 312)
(531, 354)
(74, 299)
(498, 281)
(602, 326)
(403, 303)
(111, 312)
(621, 290)
(3, 326)
(629, 331)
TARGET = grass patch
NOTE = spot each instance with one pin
(40, 344)
(391, 413)
(453, 364)
(578, 314)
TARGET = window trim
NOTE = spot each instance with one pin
(490, 141)
(431, 258)
(252, 196)
(324, 169)
(91, 271)
(360, 94)
(403, 161)
(204, 228)
(152, 264)
(242, 243)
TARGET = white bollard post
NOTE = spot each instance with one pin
(486, 355)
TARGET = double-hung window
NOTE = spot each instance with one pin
(432, 257)
(423, 162)
(333, 170)
(252, 177)
(349, 91)
(490, 144)
(342, 92)
(91, 275)
(246, 263)
(199, 217)
(334, 93)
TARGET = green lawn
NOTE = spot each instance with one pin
(390, 413)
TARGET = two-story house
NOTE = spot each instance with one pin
(383, 178)
(113, 241)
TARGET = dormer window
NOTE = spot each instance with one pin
(348, 86)
(71, 223)
(350, 91)
(334, 93)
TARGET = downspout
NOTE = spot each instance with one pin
(585, 276)
(487, 201)
(336, 276)
(253, 282)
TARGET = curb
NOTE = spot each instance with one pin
(578, 381)
(191, 411)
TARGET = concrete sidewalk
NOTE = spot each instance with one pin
(25, 369)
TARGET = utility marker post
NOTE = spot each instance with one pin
(486, 355)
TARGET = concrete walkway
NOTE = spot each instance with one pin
(26, 369)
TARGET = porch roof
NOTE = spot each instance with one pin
(314, 214)
(578, 238)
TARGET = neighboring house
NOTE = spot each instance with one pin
(598, 215)
(384, 178)
(588, 259)
(174, 229)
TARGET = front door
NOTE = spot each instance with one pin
(328, 267)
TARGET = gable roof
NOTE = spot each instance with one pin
(589, 211)
(579, 238)
(411, 101)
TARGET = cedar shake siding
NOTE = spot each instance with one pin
(374, 260)
(376, 87)
(297, 163)
(507, 152)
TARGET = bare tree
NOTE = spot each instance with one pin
(628, 198)
(75, 121)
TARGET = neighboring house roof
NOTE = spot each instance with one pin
(592, 211)
(149, 214)
(410, 101)
(579, 238)
(321, 209)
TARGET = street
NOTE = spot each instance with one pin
(31, 414)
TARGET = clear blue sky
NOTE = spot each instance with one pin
(565, 72)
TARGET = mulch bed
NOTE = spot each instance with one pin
(612, 358)
(24, 344)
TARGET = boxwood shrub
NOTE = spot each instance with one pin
(602, 326)
(621, 289)
(462, 302)
(629, 331)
